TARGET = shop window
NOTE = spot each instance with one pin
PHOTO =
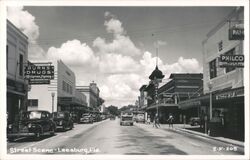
(230, 52)
(21, 65)
(212, 69)
(220, 46)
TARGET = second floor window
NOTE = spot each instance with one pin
(220, 46)
(21, 65)
(212, 69)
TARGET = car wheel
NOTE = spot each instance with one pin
(63, 129)
(38, 136)
(196, 123)
(52, 132)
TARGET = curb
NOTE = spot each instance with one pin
(235, 143)
(210, 137)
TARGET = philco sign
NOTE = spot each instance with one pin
(232, 61)
(236, 34)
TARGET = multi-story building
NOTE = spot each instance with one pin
(142, 98)
(60, 94)
(16, 58)
(94, 101)
(180, 87)
(226, 84)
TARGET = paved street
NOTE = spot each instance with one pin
(108, 137)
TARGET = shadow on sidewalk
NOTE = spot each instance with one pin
(221, 134)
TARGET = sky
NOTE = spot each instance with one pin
(116, 46)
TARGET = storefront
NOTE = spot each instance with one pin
(229, 104)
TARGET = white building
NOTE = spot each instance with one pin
(60, 94)
(225, 83)
(16, 58)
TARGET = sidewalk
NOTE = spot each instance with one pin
(186, 129)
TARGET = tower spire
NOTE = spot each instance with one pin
(156, 55)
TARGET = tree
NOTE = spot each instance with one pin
(113, 110)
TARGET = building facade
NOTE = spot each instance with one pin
(16, 58)
(226, 84)
(180, 87)
(94, 101)
(60, 94)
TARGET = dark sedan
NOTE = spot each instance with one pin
(63, 120)
(31, 124)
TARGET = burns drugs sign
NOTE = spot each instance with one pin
(39, 74)
(232, 61)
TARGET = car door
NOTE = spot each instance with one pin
(46, 121)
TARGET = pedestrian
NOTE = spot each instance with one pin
(148, 120)
(170, 120)
(154, 122)
(157, 121)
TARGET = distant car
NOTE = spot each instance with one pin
(63, 120)
(103, 117)
(126, 119)
(86, 118)
(195, 121)
(112, 117)
(140, 118)
(35, 124)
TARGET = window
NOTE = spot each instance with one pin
(220, 46)
(67, 88)
(64, 86)
(212, 69)
(21, 65)
(230, 52)
(33, 102)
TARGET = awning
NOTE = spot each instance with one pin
(162, 105)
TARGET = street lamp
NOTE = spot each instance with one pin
(210, 99)
(52, 95)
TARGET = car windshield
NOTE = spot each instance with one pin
(59, 115)
(85, 115)
(32, 115)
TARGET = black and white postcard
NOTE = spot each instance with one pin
(124, 79)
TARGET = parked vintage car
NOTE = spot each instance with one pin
(63, 120)
(75, 117)
(86, 118)
(195, 121)
(35, 124)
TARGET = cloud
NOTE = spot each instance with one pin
(121, 43)
(117, 63)
(74, 53)
(181, 66)
(121, 89)
(25, 21)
